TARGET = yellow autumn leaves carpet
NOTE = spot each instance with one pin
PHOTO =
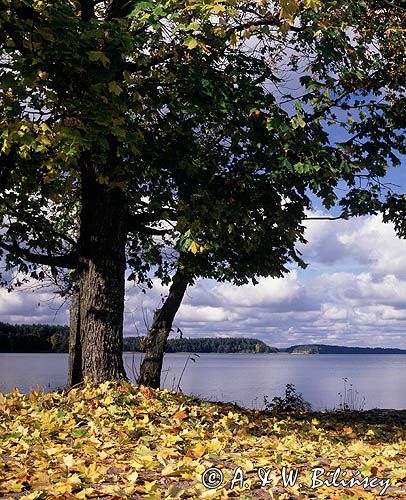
(119, 441)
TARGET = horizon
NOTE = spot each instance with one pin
(224, 337)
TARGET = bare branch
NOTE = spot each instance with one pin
(266, 21)
(343, 216)
(393, 5)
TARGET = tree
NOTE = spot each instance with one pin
(358, 201)
(136, 131)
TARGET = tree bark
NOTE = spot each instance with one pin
(151, 367)
(101, 280)
(75, 374)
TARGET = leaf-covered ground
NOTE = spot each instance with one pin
(120, 441)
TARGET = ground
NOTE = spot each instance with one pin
(119, 441)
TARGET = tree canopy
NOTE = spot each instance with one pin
(132, 131)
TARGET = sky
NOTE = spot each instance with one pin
(352, 293)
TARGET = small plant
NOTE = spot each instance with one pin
(292, 402)
(192, 356)
(349, 399)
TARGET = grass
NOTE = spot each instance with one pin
(119, 441)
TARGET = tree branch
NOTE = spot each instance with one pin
(87, 9)
(343, 216)
(138, 222)
(154, 232)
(268, 21)
(33, 224)
(118, 9)
(68, 261)
(393, 5)
(321, 111)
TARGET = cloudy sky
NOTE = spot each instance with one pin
(352, 293)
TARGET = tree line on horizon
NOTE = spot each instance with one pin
(55, 338)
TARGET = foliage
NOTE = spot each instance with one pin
(195, 123)
(119, 440)
(291, 402)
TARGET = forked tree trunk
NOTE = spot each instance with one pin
(151, 366)
(99, 327)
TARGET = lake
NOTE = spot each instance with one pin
(241, 378)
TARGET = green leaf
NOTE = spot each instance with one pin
(191, 43)
(99, 56)
(192, 27)
(115, 88)
(297, 121)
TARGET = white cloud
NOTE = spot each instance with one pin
(26, 306)
(366, 240)
(268, 293)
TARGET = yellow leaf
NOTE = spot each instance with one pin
(313, 4)
(52, 451)
(63, 487)
(218, 8)
(180, 415)
(44, 127)
(150, 486)
(84, 493)
(68, 460)
(171, 470)
(12, 486)
(194, 247)
(133, 477)
(214, 445)
(199, 450)
(74, 479)
(32, 496)
(93, 473)
(288, 9)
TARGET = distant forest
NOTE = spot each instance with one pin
(220, 345)
(51, 338)
(48, 338)
(33, 338)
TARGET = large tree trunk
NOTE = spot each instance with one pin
(75, 374)
(151, 367)
(101, 280)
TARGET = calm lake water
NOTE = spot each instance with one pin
(241, 378)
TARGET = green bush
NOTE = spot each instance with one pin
(292, 402)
